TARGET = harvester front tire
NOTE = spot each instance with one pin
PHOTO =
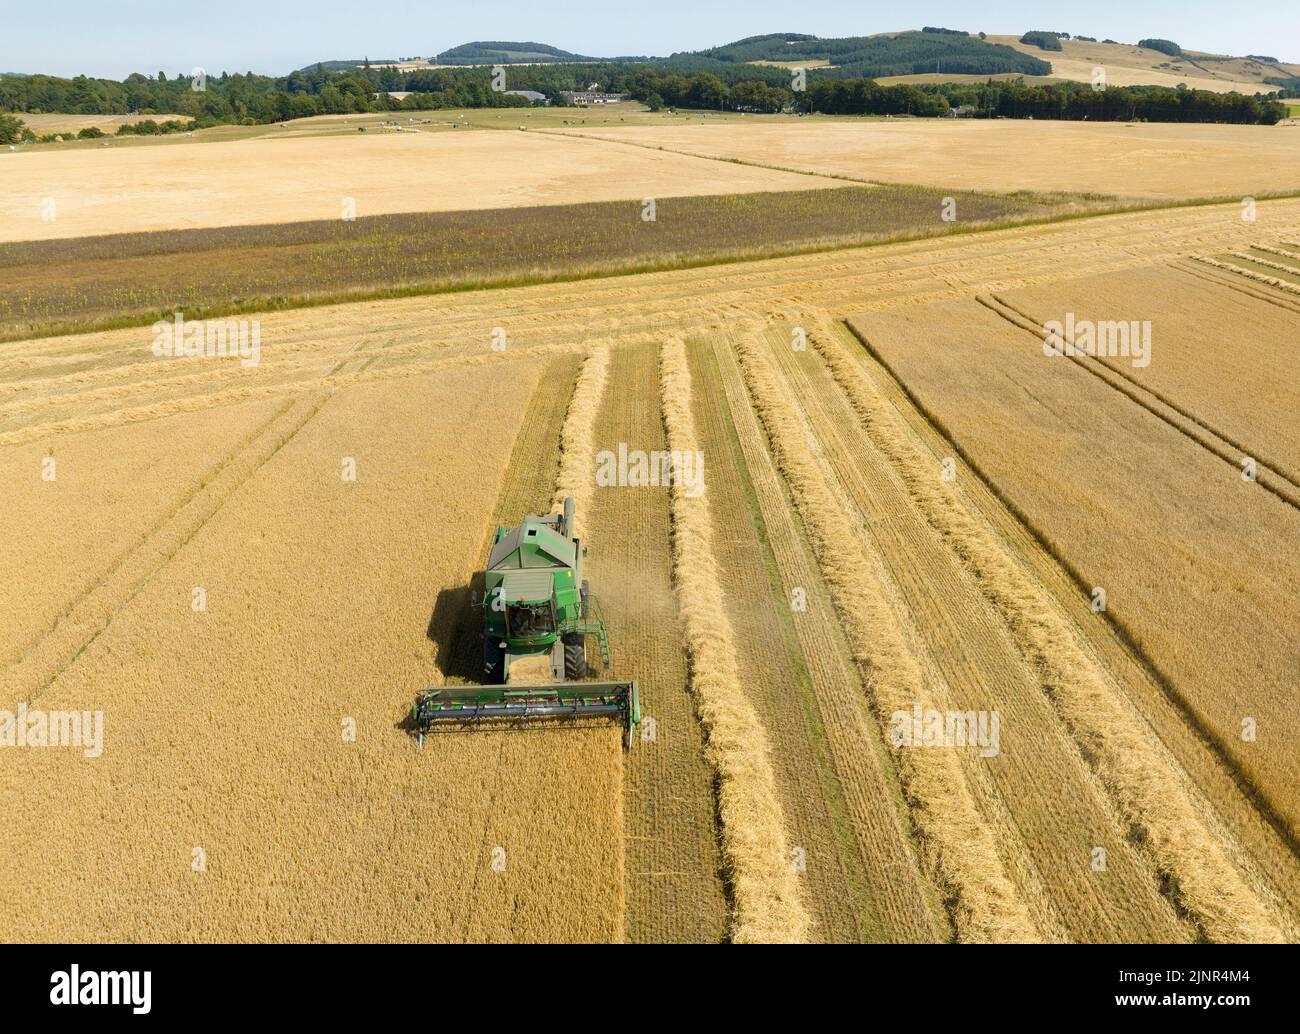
(494, 663)
(575, 657)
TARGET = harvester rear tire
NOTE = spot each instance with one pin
(575, 657)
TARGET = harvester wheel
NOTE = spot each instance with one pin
(575, 657)
(494, 662)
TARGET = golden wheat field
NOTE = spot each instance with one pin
(1134, 160)
(952, 639)
(271, 179)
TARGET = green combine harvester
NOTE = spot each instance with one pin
(538, 615)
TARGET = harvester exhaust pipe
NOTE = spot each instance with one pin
(566, 529)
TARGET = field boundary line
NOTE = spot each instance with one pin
(768, 898)
(1184, 421)
(1258, 797)
(1147, 786)
(580, 135)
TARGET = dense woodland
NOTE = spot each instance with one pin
(904, 53)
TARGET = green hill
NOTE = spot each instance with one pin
(346, 65)
(900, 53)
(505, 53)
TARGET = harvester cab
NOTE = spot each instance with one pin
(539, 617)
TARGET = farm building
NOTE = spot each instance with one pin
(531, 95)
(592, 97)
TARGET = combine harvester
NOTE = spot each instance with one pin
(537, 617)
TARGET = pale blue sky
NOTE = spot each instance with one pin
(112, 39)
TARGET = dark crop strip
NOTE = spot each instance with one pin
(89, 282)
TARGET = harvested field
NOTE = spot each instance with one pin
(862, 879)
(913, 524)
(1143, 785)
(1139, 161)
(272, 180)
(764, 880)
(54, 122)
(960, 852)
(676, 886)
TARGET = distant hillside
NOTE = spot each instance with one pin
(901, 53)
(343, 66)
(936, 54)
(1128, 64)
(505, 53)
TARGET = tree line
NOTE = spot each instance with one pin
(992, 99)
(1078, 101)
(696, 82)
(250, 99)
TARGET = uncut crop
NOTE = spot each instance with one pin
(1148, 789)
(1169, 521)
(318, 593)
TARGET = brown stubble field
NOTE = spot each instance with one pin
(895, 482)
